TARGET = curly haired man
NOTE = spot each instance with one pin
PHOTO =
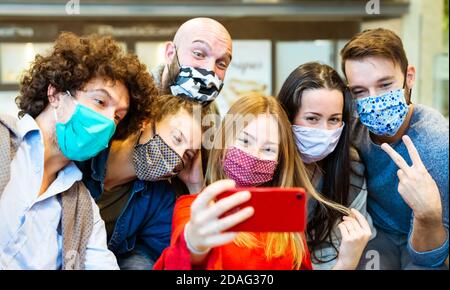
(72, 101)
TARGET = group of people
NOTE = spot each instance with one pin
(110, 166)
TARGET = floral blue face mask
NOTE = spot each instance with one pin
(383, 115)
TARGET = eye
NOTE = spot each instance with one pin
(198, 54)
(312, 119)
(222, 65)
(99, 101)
(270, 150)
(243, 140)
(335, 120)
(177, 139)
(386, 85)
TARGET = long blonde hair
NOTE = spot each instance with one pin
(290, 171)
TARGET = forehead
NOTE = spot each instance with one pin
(219, 42)
(264, 127)
(370, 69)
(322, 100)
(185, 122)
(116, 89)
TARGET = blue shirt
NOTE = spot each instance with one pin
(30, 227)
(146, 220)
(428, 131)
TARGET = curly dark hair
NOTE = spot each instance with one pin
(73, 62)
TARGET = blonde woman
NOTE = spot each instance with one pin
(258, 152)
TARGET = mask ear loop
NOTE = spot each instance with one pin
(54, 109)
(172, 78)
(142, 131)
(176, 55)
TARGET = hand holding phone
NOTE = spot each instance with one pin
(205, 228)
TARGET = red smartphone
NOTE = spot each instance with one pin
(276, 209)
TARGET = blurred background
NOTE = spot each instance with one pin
(270, 37)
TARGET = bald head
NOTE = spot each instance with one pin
(200, 43)
(199, 26)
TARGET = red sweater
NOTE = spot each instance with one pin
(226, 257)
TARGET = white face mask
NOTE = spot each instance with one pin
(315, 144)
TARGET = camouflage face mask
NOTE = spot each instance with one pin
(198, 84)
(155, 160)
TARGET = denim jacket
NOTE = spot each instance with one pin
(146, 220)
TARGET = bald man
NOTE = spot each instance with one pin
(195, 65)
(202, 44)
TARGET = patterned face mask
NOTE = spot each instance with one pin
(155, 160)
(383, 115)
(247, 170)
(198, 84)
(201, 85)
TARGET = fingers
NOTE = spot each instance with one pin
(412, 151)
(397, 158)
(210, 192)
(351, 224)
(344, 231)
(222, 206)
(362, 221)
(225, 223)
(400, 174)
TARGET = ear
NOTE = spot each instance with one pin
(410, 77)
(53, 96)
(169, 52)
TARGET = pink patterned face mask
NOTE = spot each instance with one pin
(247, 170)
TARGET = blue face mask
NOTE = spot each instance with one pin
(383, 115)
(85, 134)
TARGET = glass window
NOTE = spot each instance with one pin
(249, 71)
(17, 57)
(291, 54)
(151, 53)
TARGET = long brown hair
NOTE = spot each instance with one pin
(290, 171)
(336, 166)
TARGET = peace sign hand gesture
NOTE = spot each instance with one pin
(416, 186)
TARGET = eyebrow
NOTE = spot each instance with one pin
(111, 98)
(227, 54)
(320, 115)
(388, 78)
(103, 91)
(383, 79)
(248, 135)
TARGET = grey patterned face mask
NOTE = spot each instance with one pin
(197, 84)
(155, 160)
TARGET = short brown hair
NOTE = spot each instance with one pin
(376, 42)
(166, 105)
(73, 62)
